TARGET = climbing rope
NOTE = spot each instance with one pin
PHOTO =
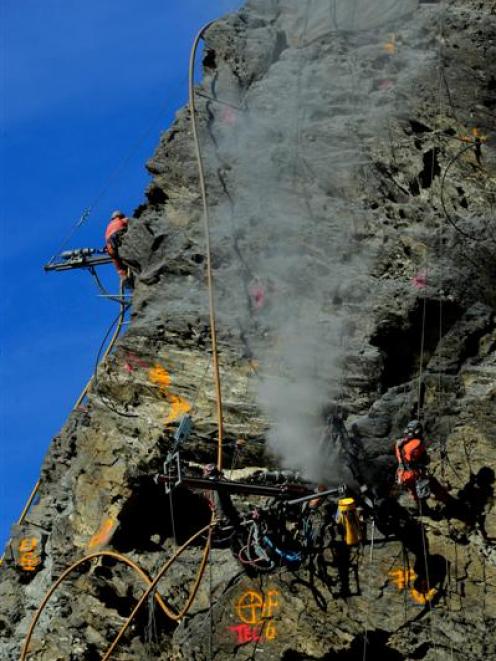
(119, 320)
(210, 610)
(369, 583)
(151, 631)
(462, 232)
(444, 457)
(427, 576)
(422, 351)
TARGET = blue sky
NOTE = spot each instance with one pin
(85, 87)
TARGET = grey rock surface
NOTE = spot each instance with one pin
(354, 261)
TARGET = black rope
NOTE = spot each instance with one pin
(122, 312)
(102, 289)
(462, 232)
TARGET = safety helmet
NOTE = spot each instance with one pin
(414, 428)
(117, 214)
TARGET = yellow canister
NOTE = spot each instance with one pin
(347, 517)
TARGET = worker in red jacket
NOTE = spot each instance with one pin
(114, 234)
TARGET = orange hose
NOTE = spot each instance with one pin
(157, 578)
(67, 572)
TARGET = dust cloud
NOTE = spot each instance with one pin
(289, 155)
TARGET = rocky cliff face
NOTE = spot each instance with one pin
(351, 178)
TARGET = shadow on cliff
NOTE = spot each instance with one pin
(393, 520)
(145, 521)
(473, 500)
(376, 648)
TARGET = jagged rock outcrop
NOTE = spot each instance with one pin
(354, 261)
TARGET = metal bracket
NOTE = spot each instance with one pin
(173, 459)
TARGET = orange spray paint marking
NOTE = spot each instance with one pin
(249, 607)
(255, 612)
(270, 604)
(404, 579)
(270, 631)
(28, 560)
(179, 405)
(160, 376)
(424, 595)
(28, 544)
(103, 534)
(390, 46)
(253, 608)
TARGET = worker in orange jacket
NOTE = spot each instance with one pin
(413, 460)
(114, 234)
(412, 473)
